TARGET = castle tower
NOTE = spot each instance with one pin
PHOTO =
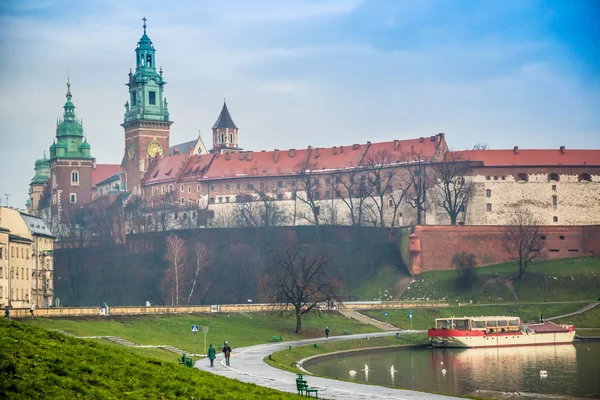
(70, 162)
(37, 184)
(225, 132)
(146, 122)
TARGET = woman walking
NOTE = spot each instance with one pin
(212, 355)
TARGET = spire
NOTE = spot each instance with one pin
(144, 19)
(224, 120)
(69, 107)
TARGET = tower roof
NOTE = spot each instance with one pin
(224, 120)
(145, 40)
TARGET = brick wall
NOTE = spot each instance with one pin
(434, 246)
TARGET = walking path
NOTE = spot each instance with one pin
(247, 365)
(580, 311)
(384, 326)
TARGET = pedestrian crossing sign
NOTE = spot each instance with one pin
(194, 328)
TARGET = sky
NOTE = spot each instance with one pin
(298, 73)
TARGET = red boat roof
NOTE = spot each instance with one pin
(547, 327)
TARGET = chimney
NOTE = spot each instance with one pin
(516, 149)
(432, 138)
(562, 149)
(396, 143)
(275, 155)
(341, 149)
(355, 146)
(412, 149)
(334, 150)
(421, 139)
(317, 152)
(441, 135)
(292, 153)
(176, 150)
(227, 156)
(191, 150)
(249, 156)
(241, 156)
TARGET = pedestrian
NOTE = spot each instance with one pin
(227, 351)
(32, 309)
(7, 312)
(326, 333)
(211, 355)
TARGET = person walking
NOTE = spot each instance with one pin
(326, 333)
(212, 355)
(32, 309)
(227, 351)
(7, 312)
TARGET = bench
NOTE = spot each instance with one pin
(278, 338)
(303, 389)
(346, 331)
(185, 361)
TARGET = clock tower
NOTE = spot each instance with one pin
(146, 122)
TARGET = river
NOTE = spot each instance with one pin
(572, 371)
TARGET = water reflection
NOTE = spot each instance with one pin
(572, 370)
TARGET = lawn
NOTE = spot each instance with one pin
(157, 354)
(382, 286)
(283, 359)
(423, 318)
(240, 329)
(552, 280)
(588, 319)
(40, 364)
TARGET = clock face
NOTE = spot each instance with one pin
(154, 148)
(131, 151)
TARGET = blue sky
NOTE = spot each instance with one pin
(324, 73)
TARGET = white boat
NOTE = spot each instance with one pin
(496, 332)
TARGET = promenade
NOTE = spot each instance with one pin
(247, 365)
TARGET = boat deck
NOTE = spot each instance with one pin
(547, 327)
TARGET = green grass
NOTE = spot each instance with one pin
(239, 329)
(385, 281)
(285, 358)
(588, 319)
(590, 333)
(424, 318)
(157, 354)
(40, 364)
(552, 280)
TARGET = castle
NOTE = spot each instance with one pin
(395, 183)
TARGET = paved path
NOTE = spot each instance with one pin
(384, 326)
(580, 311)
(247, 365)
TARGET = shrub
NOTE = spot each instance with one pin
(465, 264)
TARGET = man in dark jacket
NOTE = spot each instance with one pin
(327, 333)
(227, 351)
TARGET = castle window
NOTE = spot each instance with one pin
(280, 196)
(227, 199)
(182, 189)
(237, 186)
(461, 208)
(198, 188)
(279, 184)
(390, 203)
(327, 194)
(487, 178)
(189, 203)
(585, 178)
(554, 201)
(74, 178)
(561, 237)
(182, 201)
(133, 99)
(554, 187)
(488, 207)
(555, 219)
(522, 177)
(327, 180)
(249, 186)
(170, 188)
(231, 138)
(212, 187)
(152, 97)
(154, 190)
(316, 195)
(553, 177)
(222, 138)
(149, 60)
(162, 189)
(189, 188)
(220, 199)
(211, 200)
(73, 198)
(317, 210)
(227, 186)
(488, 193)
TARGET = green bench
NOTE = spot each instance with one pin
(304, 390)
(346, 331)
(185, 361)
(278, 338)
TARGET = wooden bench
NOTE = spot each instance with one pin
(346, 331)
(303, 389)
(185, 361)
(278, 338)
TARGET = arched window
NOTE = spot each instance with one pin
(222, 138)
(522, 177)
(74, 178)
(231, 138)
(585, 177)
(553, 177)
(149, 61)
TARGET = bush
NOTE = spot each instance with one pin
(465, 264)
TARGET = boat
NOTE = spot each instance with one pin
(468, 332)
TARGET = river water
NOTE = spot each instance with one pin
(573, 371)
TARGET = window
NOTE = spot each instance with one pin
(27, 274)
(133, 99)
(327, 180)
(162, 189)
(212, 187)
(554, 187)
(317, 210)
(227, 199)
(390, 203)
(249, 186)
(197, 188)
(1, 275)
(553, 177)
(585, 178)
(461, 208)
(316, 195)
(488, 207)
(554, 201)
(171, 188)
(182, 201)
(211, 200)
(543, 237)
(327, 194)
(222, 138)
(237, 186)
(189, 203)
(495, 178)
(555, 219)
(73, 198)
(522, 177)
(152, 97)
(181, 189)
(280, 196)
(149, 63)
(315, 181)
(153, 191)
(561, 237)
(220, 199)
(487, 178)
(227, 186)
(189, 188)
(488, 193)
(74, 178)
(279, 184)
(293, 183)
(231, 138)
(262, 185)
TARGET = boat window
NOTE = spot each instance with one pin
(514, 322)
(478, 324)
(461, 324)
(491, 323)
(443, 324)
(503, 323)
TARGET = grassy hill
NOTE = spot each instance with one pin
(569, 279)
(40, 364)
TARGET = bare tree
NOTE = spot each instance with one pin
(420, 180)
(354, 193)
(299, 280)
(522, 239)
(201, 260)
(454, 190)
(480, 146)
(223, 218)
(307, 192)
(193, 217)
(258, 208)
(176, 256)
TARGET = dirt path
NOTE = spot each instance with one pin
(580, 311)
(367, 320)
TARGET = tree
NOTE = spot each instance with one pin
(258, 209)
(176, 257)
(354, 193)
(522, 239)
(453, 190)
(307, 192)
(465, 264)
(201, 260)
(480, 146)
(297, 278)
(420, 180)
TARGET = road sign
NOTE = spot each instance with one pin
(194, 328)
(410, 318)
(410, 313)
(385, 314)
(204, 329)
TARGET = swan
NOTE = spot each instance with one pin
(543, 373)
(444, 371)
(392, 370)
(366, 368)
(352, 372)
(441, 363)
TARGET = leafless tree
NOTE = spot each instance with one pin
(176, 256)
(257, 208)
(298, 279)
(420, 177)
(201, 260)
(453, 189)
(522, 239)
(162, 210)
(192, 218)
(307, 192)
(223, 218)
(480, 146)
(353, 192)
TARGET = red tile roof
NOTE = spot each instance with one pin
(494, 158)
(165, 169)
(103, 172)
(195, 167)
